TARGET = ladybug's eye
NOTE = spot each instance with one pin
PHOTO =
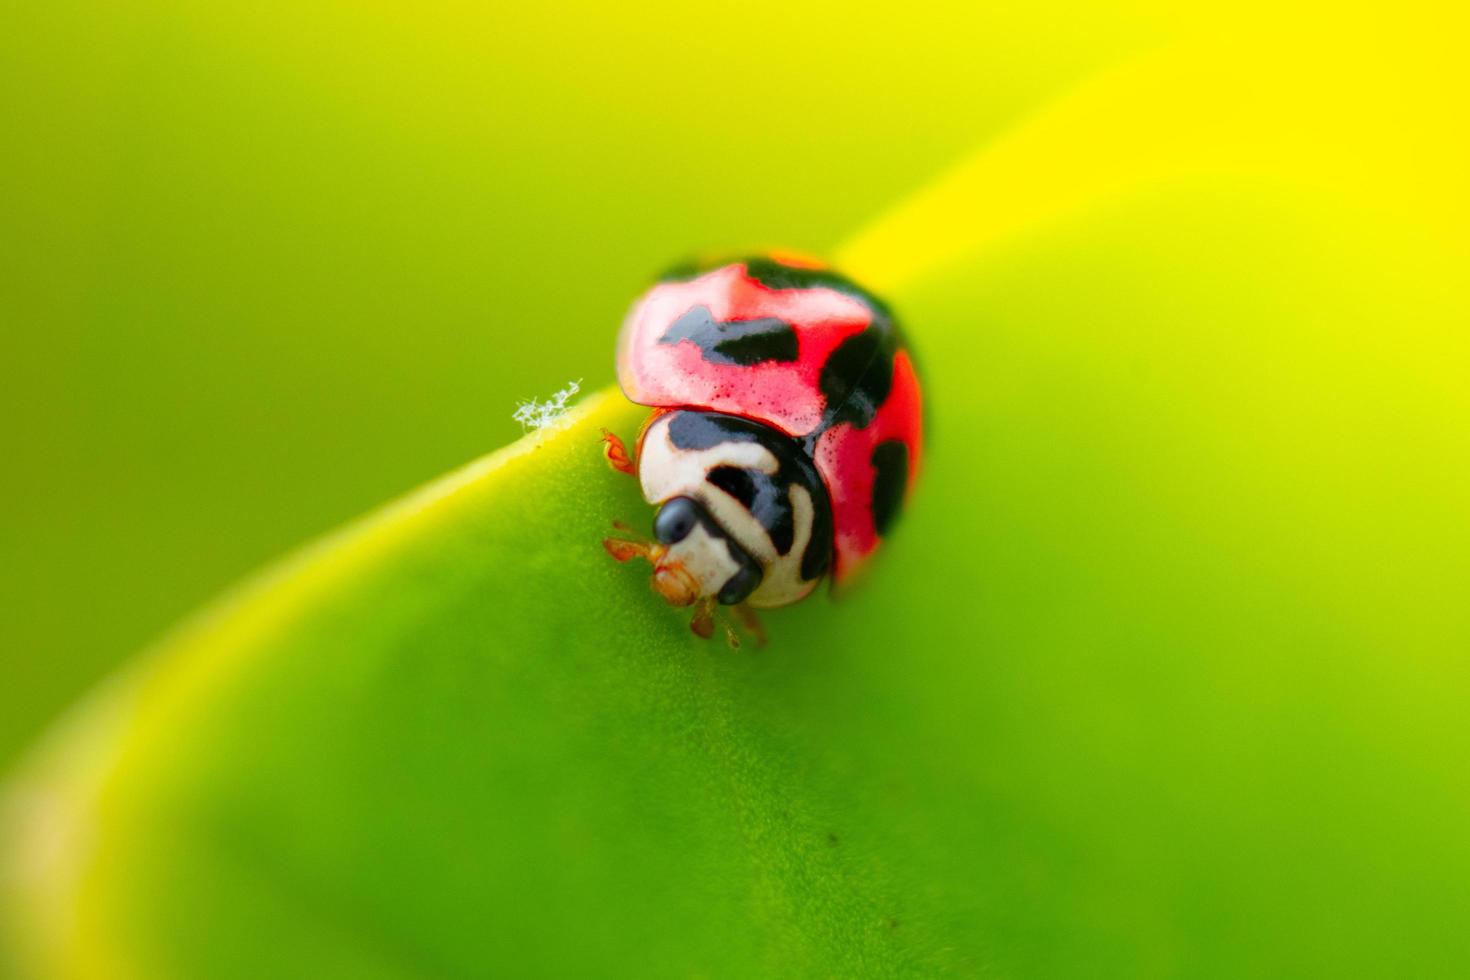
(741, 584)
(675, 520)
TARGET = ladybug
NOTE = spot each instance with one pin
(787, 432)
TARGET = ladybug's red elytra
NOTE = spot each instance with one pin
(787, 431)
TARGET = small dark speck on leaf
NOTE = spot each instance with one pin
(893, 924)
(832, 838)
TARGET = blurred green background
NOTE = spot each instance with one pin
(1164, 675)
(269, 264)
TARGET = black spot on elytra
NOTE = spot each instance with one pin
(776, 275)
(743, 342)
(857, 377)
(767, 496)
(891, 477)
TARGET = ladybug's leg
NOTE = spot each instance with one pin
(746, 613)
(732, 639)
(703, 623)
(706, 618)
(616, 452)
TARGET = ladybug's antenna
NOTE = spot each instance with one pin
(626, 549)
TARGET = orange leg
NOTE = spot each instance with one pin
(705, 608)
(616, 452)
(703, 623)
(746, 613)
(732, 639)
(706, 618)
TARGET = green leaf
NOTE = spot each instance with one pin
(458, 734)
(1162, 674)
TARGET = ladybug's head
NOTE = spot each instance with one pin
(742, 514)
(696, 558)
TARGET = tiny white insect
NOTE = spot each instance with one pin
(533, 413)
